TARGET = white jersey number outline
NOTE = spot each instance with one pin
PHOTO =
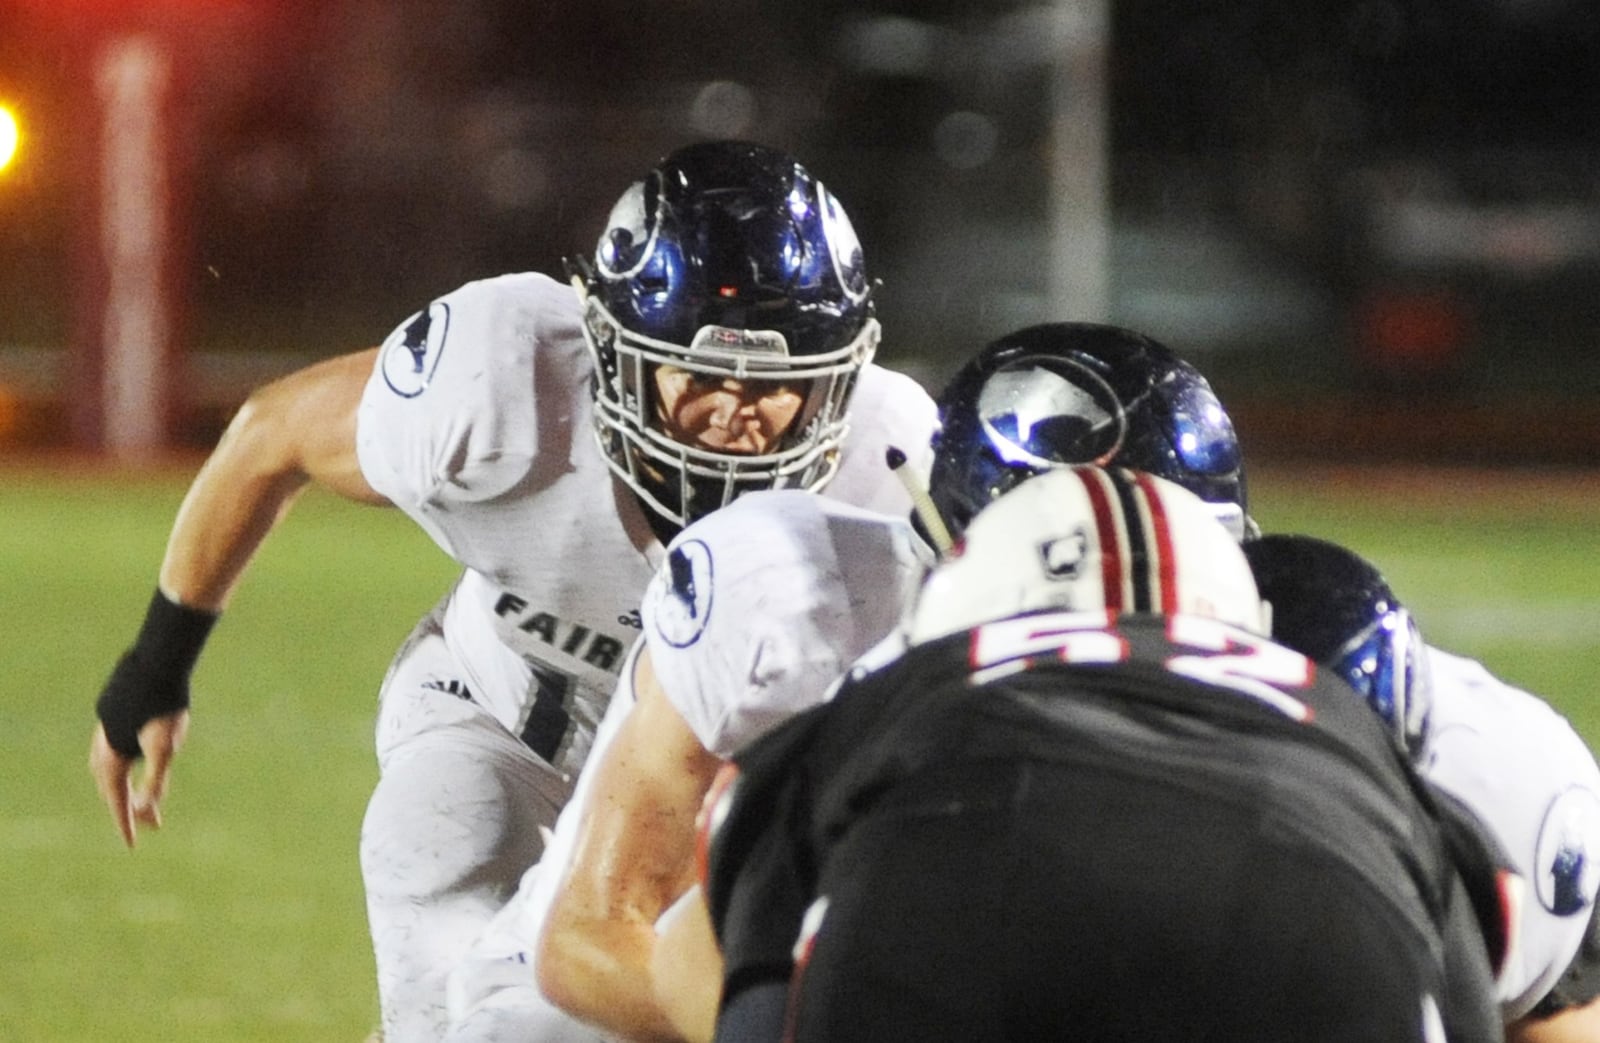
(1226, 656)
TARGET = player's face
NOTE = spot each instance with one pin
(724, 414)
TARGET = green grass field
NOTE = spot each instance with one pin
(243, 919)
(1502, 567)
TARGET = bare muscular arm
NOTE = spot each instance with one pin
(633, 858)
(1574, 1025)
(297, 430)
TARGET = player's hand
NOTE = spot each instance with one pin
(132, 802)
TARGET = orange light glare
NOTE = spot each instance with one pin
(9, 136)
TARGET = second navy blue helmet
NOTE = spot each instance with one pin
(1069, 393)
(1336, 609)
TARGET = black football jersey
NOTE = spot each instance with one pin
(1203, 704)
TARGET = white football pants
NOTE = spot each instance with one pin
(452, 824)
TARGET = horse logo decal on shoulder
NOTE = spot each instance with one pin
(681, 595)
(411, 353)
(1568, 859)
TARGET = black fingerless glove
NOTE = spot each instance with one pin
(152, 678)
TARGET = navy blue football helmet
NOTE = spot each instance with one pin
(1333, 607)
(731, 261)
(1069, 393)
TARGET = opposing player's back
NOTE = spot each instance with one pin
(1204, 837)
(1100, 690)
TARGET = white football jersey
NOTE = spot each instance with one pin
(477, 422)
(1527, 775)
(762, 605)
(758, 608)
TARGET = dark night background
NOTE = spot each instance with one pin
(1364, 201)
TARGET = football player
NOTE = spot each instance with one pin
(1091, 801)
(631, 859)
(1070, 393)
(1491, 755)
(1510, 761)
(758, 609)
(550, 437)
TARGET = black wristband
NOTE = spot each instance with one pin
(152, 678)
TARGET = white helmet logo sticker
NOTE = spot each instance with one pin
(1015, 402)
(1063, 558)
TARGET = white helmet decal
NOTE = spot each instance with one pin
(1014, 403)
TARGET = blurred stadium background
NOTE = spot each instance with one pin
(1374, 223)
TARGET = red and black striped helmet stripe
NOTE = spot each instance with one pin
(1165, 567)
(1138, 566)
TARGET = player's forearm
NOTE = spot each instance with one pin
(600, 971)
(632, 859)
(1574, 1025)
(687, 968)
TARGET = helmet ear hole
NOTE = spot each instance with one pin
(619, 244)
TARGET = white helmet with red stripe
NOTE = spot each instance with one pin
(1090, 539)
